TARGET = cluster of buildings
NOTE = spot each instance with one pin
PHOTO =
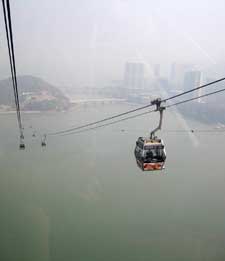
(42, 100)
(181, 77)
(184, 77)
(40, 96)
(142, 81)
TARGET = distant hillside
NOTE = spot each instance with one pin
(34, 94)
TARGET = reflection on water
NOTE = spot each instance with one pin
(83, 197)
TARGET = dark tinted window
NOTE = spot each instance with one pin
(140, 144)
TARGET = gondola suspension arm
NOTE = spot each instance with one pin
(159, 108)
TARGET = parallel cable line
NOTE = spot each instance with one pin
(100, 121)
(176, 131)
(134, 110)
(10, 55)
(195, 98)
(110, 123)
(13, 55)
(144, 113)
(9, 36)
(194, 89)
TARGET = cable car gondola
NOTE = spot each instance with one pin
(43, 142)
(22, 145)
(150, 152)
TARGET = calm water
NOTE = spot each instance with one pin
(83, 198)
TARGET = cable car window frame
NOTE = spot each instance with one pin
(153, 147)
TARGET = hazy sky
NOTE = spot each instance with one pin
(75, 43)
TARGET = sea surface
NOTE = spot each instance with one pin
(83, 198)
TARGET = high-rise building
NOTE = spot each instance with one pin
(134, 75)
(192, 79)
(156, 70)
(177, 74)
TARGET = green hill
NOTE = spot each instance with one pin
(34, 94)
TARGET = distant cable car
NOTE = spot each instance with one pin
(22, 145)
(43, 142)
(150, 152)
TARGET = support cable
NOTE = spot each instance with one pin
(134, 110)
(9, 36)
(144, 113)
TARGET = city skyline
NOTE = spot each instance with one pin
(77, 43)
